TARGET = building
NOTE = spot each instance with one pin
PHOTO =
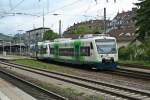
(34, 35)
(124, 20)
(13, 49)
(93, 25)
(123, 27)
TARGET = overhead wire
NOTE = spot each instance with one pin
(11, 9)
(64, 6)
(18, 4)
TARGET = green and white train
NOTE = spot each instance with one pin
(96, 51)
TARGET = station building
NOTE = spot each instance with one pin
(34, 35)
(13, 49)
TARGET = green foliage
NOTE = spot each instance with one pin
(16, 38)
(147, 49)
(49, 35)
(86, 29)
(81, 29)
(142, 18)
(123, 53)
(133, 52)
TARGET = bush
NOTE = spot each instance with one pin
(124, 53)
(133, 52)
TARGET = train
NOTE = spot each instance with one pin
(98, 51)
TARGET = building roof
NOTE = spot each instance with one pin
(125, 18)
(38, 29)
(91, 23)
(123, 34)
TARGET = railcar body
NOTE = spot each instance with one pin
(43, 51)
(32, 50)
(99, 51)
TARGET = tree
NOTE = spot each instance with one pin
(16, 38)
(50, 35)
(86, 29)
(143, 18)
(81, 29)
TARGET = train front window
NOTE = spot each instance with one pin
(106, 46)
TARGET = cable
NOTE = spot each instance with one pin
(64, 6)
(17, 5)
(10, 4)
(89, 6)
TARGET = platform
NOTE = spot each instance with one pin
(11, 92)
(13, 57)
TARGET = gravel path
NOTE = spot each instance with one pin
(111, 78)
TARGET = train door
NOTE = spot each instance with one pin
(56, 47)
(77, 52)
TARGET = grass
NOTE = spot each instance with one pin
(48, 66)
(70, 93)
(144, 64)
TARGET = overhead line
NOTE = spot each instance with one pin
(64, 6)
(18, 4)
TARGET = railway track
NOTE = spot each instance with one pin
(135, 66)
(36, 91)
(122, 92)
(132, 73)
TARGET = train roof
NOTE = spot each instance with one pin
(44, 42)
(85, 38)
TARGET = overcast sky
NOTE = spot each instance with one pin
(70, 12)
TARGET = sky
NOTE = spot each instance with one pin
(28, 14)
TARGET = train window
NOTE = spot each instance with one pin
(43, 50)
(91, 45)
(85, 51)
(52, 51)
(66, 51)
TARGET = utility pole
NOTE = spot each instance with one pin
(29, 43)
(36, 46)
(10, 4)
(43, 18)
(60, 28)
(105, 21)
(20, 40)
(20, 43)
(47, 5)
(43, 21)
(3, 47)
(10, 43)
